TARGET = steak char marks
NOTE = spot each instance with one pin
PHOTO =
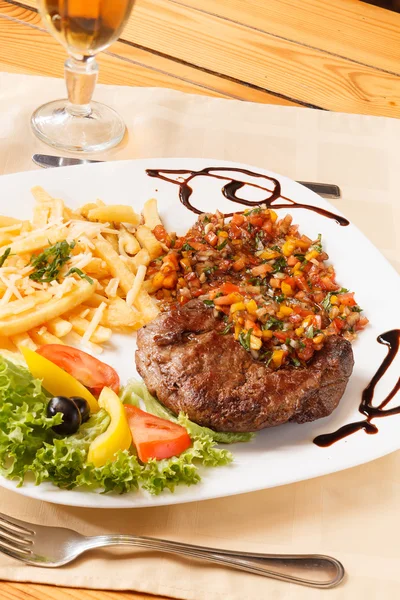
(186, 362)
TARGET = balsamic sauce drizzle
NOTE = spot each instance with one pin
(391, 339)
(231, 188)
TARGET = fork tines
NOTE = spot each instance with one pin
(15, 538)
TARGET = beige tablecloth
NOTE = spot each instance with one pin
(353, 515)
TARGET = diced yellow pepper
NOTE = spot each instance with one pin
(288, 248)
(158, 280)
(116, 437)
(55, 380)
(237, 306)
(334, 300)
(255, 342)
(286, 289)
(267, 334)
(269, 254)
(251, 307)
(318, 339)
(277, 357)
(273, 215)
(307, 320)
(299, 331)
(237, 331)
(286, 310)
(222, 234)
(312, 254)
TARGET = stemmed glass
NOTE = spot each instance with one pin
(84, 27)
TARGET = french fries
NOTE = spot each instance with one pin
(150, 214)
(149, 241)
(114, 214)
(91, 280)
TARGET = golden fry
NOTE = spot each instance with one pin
(119, 315)
(127, 243)
(49, 310)
(80, 325)
(148, 240)
(59, 327)
(42, 338)
(141, 258)
(23, 339)
(150, 214)
(115, 213)
(117, 267)
(37, 240)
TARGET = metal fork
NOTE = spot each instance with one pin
(42, 546)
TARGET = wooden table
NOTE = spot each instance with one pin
(341, 55)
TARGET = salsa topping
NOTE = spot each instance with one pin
(270, 285)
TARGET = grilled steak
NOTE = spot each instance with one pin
(187, 363)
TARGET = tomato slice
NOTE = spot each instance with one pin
(92, 373)
(155, 437)
(229, 288)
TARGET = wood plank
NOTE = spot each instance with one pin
(31, 591)
(349, 28)
(277, 65)
(122, 64)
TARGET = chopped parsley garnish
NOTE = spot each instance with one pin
(279, 299)
(256, 281)
(253, 211)
(208, 302)
(279, 264)
(80, 273)
(206, 219)
(300, 257)
(273, 322)
(318, 244)
(244, 339)
(222, 244)
(49, 263)
(226, 329)
(276, 248)
(186, 247)
(295, 361)
(356, 309)
(4, 256)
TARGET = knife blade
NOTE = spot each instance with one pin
(326, 190)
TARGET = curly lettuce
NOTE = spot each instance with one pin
(28, 445)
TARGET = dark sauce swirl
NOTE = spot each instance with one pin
(233, 186)
(391, 339)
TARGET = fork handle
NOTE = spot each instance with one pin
(313, 570)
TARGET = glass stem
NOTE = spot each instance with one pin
(80, 76)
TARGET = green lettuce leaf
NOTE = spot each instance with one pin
(29, 445)
(135, 391)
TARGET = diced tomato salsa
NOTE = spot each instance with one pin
(270, 285)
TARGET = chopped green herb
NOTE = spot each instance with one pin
(4, 256)
(208, 302)
(206, 219)
(255, 281)
(318, 244)
(81, 274)
(302, 344)
(279, 264)
(279, 299)
(49, 263)
(287, 341)
(218, 295)
(186, 247)
(276, 248)
(356, 309)
(300, 257)
(222, 244)
(273, 322)
(295, 361)
(173, 242)
(341, 291)
(226, 329)
(253, 211)
(244, 339)
(310, 332)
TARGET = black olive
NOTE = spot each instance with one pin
(71, 415)
(83, 406)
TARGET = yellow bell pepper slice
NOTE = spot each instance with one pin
(116, 437)
(55, 380)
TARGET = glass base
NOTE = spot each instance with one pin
(100, 129)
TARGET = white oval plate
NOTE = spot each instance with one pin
(277, 456)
